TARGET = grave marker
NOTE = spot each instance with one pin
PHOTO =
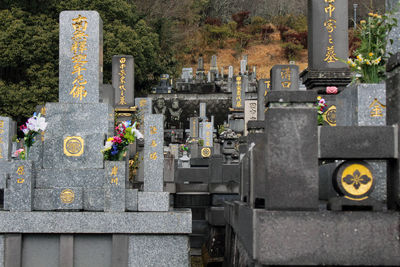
(7, 131)
(327, 44)
(285, 77)
(208, 134)
(81, 56)
(238, 94)
(123, 80)
(250, 113)
(153, 153)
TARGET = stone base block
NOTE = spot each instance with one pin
(153, 201)
(58, 199)
(151, 250)
(172, 222)
(114, 199)
(317, 238)
(93, 199)
(131, 199)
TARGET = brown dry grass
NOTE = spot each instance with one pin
(263, 56)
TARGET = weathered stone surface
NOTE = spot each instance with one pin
(77, 65)
(43, 199)
(107, 94)
(123, 80)
(291, 148)
(97, 222)
(153, 157)
(167, 250)
(153, 201)
(215, 216)
(250, 113)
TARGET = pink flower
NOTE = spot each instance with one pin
(331, 90)
(322, 102)
(19, 151)
(117, 139)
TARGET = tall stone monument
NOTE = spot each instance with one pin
(123, 80)
(327, 45)
(82, 204)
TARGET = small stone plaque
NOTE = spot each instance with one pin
(123, 80)
(81, 56)
(250, 113)
(285, 77)
(19, 196)
(153, 156)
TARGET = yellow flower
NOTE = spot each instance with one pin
(353, 65)
(368, 62)
(379, 16)
(362, 21)
(375, 15)
(371, 14)
(370, 54)
(319, 97)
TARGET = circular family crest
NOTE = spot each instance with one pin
(354, 180)
(206, 152)
(330, 116)
(67, 196)
(73, 146)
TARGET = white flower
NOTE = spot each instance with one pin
(108, 145)
(36, 124)
(138, 134)
(25, 131)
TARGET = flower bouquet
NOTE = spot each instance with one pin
(370, 57)
(116, 146)
(321, 107)
(31, 129)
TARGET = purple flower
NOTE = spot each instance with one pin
(114, 150)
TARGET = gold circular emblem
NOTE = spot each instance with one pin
(206, 152)
(67, 196)
(330, 116)
(354, 180)
(73, 146)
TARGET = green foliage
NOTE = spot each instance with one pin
(370, 61)
(219, 34)
(29, 48)
(292, 50)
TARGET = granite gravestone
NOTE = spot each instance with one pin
(250, 112)
(153, 153)
(81, 56)
(18, 196)
(285, 77)
(7, 131)
(238, 93)
(123, 80)
(114, 186)
(327, 44)
(207, 134)
(365, 105)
